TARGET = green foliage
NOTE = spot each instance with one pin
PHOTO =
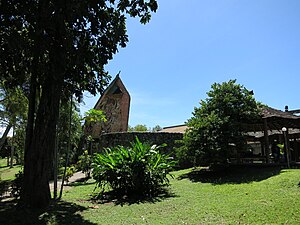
(13, 114)
(63, 128)
(18, 142)
(156, 128)
(85, 162)
(70, 170)
(216, 130)
(138, 128)
(144, 128)
(94, 116)
(83, 36)
(140, 169)
(13, 105)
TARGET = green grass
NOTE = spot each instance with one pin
(7, 173)
(237, 196)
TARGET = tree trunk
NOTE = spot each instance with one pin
(38, 159)
(41, 145)
(3, 138)
(12, 152)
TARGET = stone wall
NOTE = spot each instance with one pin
(124, 139)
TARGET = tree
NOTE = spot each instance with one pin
(216, 127)
(13, 109)
(156, 128)
(91, 118)
(60, 48)
(138, 128)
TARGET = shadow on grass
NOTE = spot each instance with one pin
(81, 182)
(112, 197)
(4, 187)
(232, 175)
(57, 213)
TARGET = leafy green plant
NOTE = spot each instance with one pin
(139, 169)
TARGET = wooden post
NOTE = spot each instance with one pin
(266, 137)
(296, 149)
(286, 146)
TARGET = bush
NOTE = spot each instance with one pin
(140, 169)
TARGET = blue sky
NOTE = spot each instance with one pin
(170, 63)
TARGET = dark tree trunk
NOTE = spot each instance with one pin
(38, 159)
(40, 142)
(3, 138)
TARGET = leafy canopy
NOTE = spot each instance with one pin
(216, 128)
(79, 37)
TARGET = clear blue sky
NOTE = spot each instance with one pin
(170, 63)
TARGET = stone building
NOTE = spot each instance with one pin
(115, 103)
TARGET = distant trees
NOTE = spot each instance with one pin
(138, 128)
(216, 127)
(68, 130)
(156, 128)
(144, 128)
(13, 114)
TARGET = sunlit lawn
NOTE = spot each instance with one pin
(238, 196)
(7, 173)
(254, 196)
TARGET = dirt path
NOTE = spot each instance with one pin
(77, 176)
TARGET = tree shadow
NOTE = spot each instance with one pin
(81, 182)
(57, 213)
(112, 197)
(4, 187)
(232, 175)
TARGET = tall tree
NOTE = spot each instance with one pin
(62, 47)
(216, 127)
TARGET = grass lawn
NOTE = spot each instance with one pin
(7, 173)
(237, 196)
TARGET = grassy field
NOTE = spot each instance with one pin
(236, 196)
(7, 173)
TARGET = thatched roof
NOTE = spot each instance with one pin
(174, 129)
(275, 120)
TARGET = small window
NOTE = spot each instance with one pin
(116, 90)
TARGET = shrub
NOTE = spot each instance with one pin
(140, 169)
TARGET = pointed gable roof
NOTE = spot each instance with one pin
(115, 87)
